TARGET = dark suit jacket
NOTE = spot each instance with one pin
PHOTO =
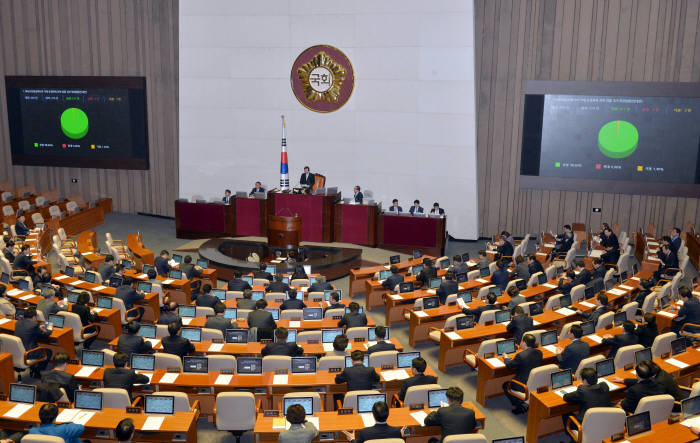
(106, 270)
(594, 314)
(675, 244)
(666, 380)
(447, 287)
(598, 273)
(262, 274)
(522, 271)
(416, 380)
(358, 377)
(128, 295)
(292, 303)
(638, 391)
(277, 286)
(63, 379)
(690, 311)
(133, 344)
(307, 180)
(162, 266)
(30, 333)
(123, 378)
(440, 211)
(535, 267)
(572, 355)
(9, 255)
(461, 268)
(563, 242)
(245, 303)
(189, 271)
(220, 323)
(86, 317)
(289, 348)
(23, 261)
(506, 249)
(333, 306)
(21, 228)
(261, 319)
(519, 325)
(412, 210)
(168, 317)
(391, 209)
(238, 284)
(583, 277)
(619, 341)
(500, 278)
(320, 287)
(381, 346)
(392, 280)
(453, 419)
(524, 362)
(207, 300)
(353, 320)
(376, 432)
(593, 396)
(476, 312)
(177, 346)
(646, 334)
(359, 197)
(426, 275)
(254, 190)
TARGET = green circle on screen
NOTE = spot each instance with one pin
(74, 123)
(618, 139)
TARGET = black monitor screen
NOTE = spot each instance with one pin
(484, 272)
(92, 358)
(638, 423)
(521, 284)
(236, 336)
(536, 309)
(195, 364)
(542, 278)
(641, 355)
(303, 365)
(690, 407)
(306, 402)
(143, 362)
(417, 253)
(561, 379)
(249, 365)
(465, 322)
(588, 327)
(394, 259)
(605, 367)
(565, 301)
(678, 346)
(405, 359)
(313, 313)
(505, 347)
(619, 318)
(431, 302)
(348, 361)
(406, 287)
(502, 316)
(548, 338)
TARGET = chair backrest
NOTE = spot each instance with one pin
(98, 277)
(8, 210)
(588, 362)
(40, 200)
(272, 297)
(203, 311)
(14, 346)
(315, 296)
(114, 398)
(486, 316)
(513, 282)
(492, 267)
(630, 309)
(357, 332)
(648, 303)
(350, 400)
(577, 293)
(182, 401)
(609, 278)
(488, 346)
(165, 361)
(549, 272)
(7, 196)
(465, 438)
(473, 275)
(605, 320)
(534, 279)
(540, 377)
(662, 344)
(305, 336)
(600, 423)
(377, 359)
(271, 363)
(261, 281)
(162, 331)
(339, 312)
(625, 355)
(219, 362)
(291, 314)
(300, 282)
(37, 218)
(235, 411)
(38, 438)
(333, 361)
(553, 302)
(232, 295)
(315, 395)
(23, 205)
(695, 390)
(208, 334)
(419, 394)
(659, 407)
(72, 320)
(451, 321)
(484, 291)
(109, 357)
(54, 211)
(71, 206)
(537, 333)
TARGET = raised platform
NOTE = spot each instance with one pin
(227, 255)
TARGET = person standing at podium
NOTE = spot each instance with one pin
(358, 197)
(227, 197)
(258, 188)
(307, 179)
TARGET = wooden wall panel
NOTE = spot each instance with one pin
(99, 37)
(582, 40)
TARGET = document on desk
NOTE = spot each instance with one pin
(691, 422)
(549, 285)
(425, 314)
(431, 291)
(587, 304)
(216, 347)
(495, 362)
(27, 297)
(550, 348)
(481, 280)
(396, 374)
(4, 320)
(223, 379)
(67, 415)
(596, 338)
(295, 324)
(419, 417)
(535, 322)
(85, 372)
(636, 278)
(152, 423)
(667, 314)
(99, 288)
(83, 417)
(566, 390)
(168, 281)
(141, 276)
(549, 245)
(61, 277)
(616, 291)
(368, 344)
(396, 296)
(17, 411)
(280, 379)
(169, 377)
(14, 292)
(153, 341)
(626, 288)
(677, 363)
(77, 282)
(565, 311)
(186, 320)
(612, 386)
(453, 335)
(97, 310)
(368, 419)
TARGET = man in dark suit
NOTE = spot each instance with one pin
(675, 242)
(519, 324)
(521, 269)
(577, 350)
(612, 247)
(601, 308)
(21, 227)
(128, 294)
(565, 284)
(381, 345)
(258, 188)
(598, 269)
(416, 208)
(161, 263)
(262, 272)
(689, 312)
(237, 284)
(106, 268)
(227, 197)
(448, 287)
(357, 196)
(206, 298)
(533, 265)
(218, 321)
(515, 298)
(437, 210)
(320, 285)
(23, 261)
(669, 263)
(380, 430)
(278, 285)
(394, 279)
(418, 366)
(307, 179)
(660, 376)
(353, 318)
(121, 376)
(333, 302)
(627, 338)
(489, 306)
(428, 273)
(29, 331)
(168, 314)
(292, 302)
(395, 206)
(358, 377)
(8, 249)
(262, 319)
(458, 265)
(131, 343)
(454, 418)
(247, 301)
(589, 394)
(59, 376)
(523, 363)
(281, 346)
(505, 249)
(563, 241)
(644, 387)
(583, 275)
(48, 304)
(176, 344)
(189, 270)
(500, 276)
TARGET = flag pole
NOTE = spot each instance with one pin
(284, 165)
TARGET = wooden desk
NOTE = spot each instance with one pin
(693, 244)
(316, 212)
(204, 220)
(251, 216)
(78, 222)
(7, 373)
(406, 233)
(179, 291)
(59, 340)
(677, 433)
(356, 224)
(358, 277)
(88, 247)
(138, 250)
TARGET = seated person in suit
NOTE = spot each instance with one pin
(9, 249)
(23, 261)
(353, 318)
(612, 247)
(505, 249)
(689, 312)
(50, 304)
(669, 264)
(261, 319)
(124, 432)
(394, 279)
(357, 195)
(663, 378)
(189, 270)
(293, 302)
(299, 272)
(218, 321)
(58, 375)
(206, 299)
(515, 297)
(565, 284)
(489, 306)
(320, 285)
(647, 332)
(646, 385)
(300, 430)
(69, 432)
(162, 263)
(6, 306)
(262, 272)
(247, 301)
(358, 377)
(128, 294)
(416, 208)
(106, 268)
(484, 260)
(458, 265)
(519, 324)
(533, 265)
(627, 338)
(227, 196)
(395, 206)
(340, 345)
(121, 376)
(448, 287)
(307, 179)
(29, 331)
(281, 346)
(176, 344)
(258, 188)
(523, 363)
(598, 269)
(380, 332)
(500, 276)
(589, 394)
(645, 290)
(521, 269)
(454, 418)
(334, 302)
(168, 314)
(563, 241)
(583, 275)
(380, 430)
(21, 226)
(278, 285)
(131, 343)
(418, 367)
(570, 357)
(437, 210)
(237, 284)
(429, 272)
(601, 302)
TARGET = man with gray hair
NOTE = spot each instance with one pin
(49, 304)
(320, 285)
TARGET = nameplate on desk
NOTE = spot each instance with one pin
(281, 371)
(217, 340)
(449, 328)
(345, 411)
(314, 341)
(414, 406)
(335, 317)
(332, 370)
(542, 389)
(133, 410)
(359, 340)
(388, 366)
(227, 371)
(271, 413)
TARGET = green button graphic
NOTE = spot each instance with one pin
(618, 139)
(74, 123)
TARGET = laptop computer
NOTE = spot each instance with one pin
(502, 316)
(104, 302)
(466, 296)
(466, 322)
(417, 253)
(589, 292)
(21, 393)
(495, 290)
(416, 269)
(462, 277)
(394, 259)
(588, 327)
(638, 423)
(275, 313)
(444, 263)
(542, 279)
(690, 407)
(248, 279)
(249, 365)
(549, 338)
(306, 402)
(405, 287)
(431, 302)
(24, 284)
(147, 331)
(70, 272)
(257, 295)
(203, 263)
(187, 311)
(219, 293)
(231, 313)
(159, 404)
(372, 336)
(236, 336)
(678, 346)
(405, 359)
(619, 318)
(641, 355)
(505, 347)
(565, 301)
(56, 320)
(509, 440)
(348, 361)
(361, 310)
(435, 283)
(88, 400)
(175, 274)
(303, 365)
(484, 272)
(145, 286)
(146, 268)
(143, 362)
(327, 294)
(199, 365)
(72, 296)
(365, 402)
(191, 334)
(177, 258)
(115, 281)
(89, 277)
(92, 358)
(561, 379)
(383, 275)
(328, 335)
(605, 367)
(437, 398)
(312, 313)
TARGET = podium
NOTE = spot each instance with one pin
(283, 232)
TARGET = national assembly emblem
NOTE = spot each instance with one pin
(322, 78)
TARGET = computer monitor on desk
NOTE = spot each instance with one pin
(365, 402)
(239, 336)
(328, 335)
(88, 400)
(20, 393)
(199, 365)
(143, 362)
(159, 404)
(437, 398)
(306, 402)
(92, 358)
(249, 365)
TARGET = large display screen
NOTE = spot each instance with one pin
(612, 137)
(84, 122)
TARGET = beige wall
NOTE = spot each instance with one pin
(596, 40)
(99, 37)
